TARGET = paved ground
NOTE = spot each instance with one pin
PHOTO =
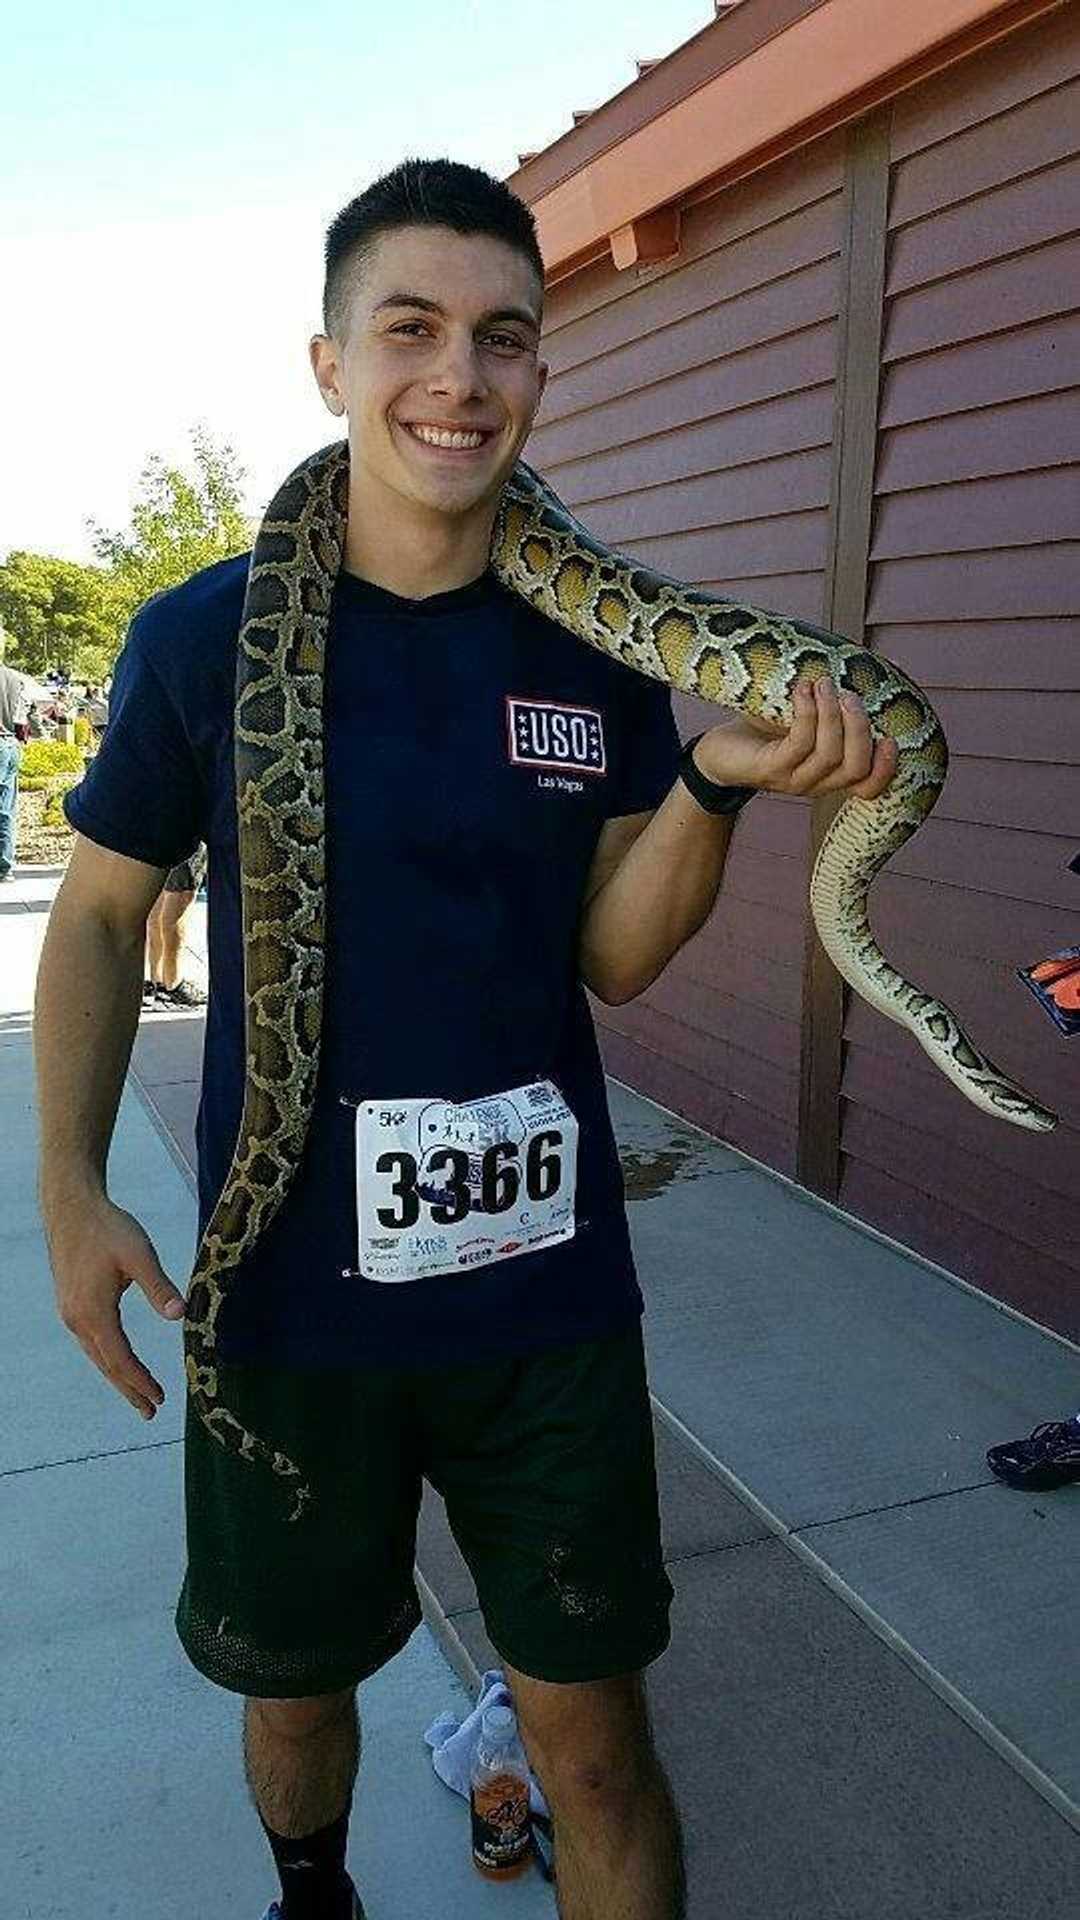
(120, 1775)
(870, 1705)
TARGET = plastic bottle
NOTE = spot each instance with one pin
(499, 1798)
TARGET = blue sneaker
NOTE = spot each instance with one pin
(1049, 1457)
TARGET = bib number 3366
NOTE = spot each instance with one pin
(442, 1185)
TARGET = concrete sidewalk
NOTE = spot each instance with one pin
(870, 1705)
(121, 1778)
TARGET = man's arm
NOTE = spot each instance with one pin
(86, 1011)
(20, 720)
(653, 882)
(663, 884)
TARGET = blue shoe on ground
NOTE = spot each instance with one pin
(1049, 1457)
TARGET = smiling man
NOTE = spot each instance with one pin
(428, 466)
(510, 817)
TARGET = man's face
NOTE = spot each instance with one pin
(443, 333)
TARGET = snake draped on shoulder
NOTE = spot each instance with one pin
(734, 655)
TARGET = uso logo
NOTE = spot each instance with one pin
(546, 733)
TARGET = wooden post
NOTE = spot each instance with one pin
(851, 499)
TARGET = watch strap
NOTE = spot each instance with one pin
(708, 794)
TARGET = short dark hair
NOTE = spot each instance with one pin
(421, 193)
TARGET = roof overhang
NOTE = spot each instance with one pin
(756, 84)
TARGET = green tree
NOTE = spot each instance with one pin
(58, 613)
(93, 664)
(179, 524)
(52, 609)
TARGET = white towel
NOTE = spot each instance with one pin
(453, 1744)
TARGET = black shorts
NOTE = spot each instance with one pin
(188, 876)
(548, 1470)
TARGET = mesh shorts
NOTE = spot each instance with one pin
(547, 1467)
(188, 876)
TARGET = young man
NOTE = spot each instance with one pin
(475, 879)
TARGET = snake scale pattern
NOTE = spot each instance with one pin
(721, 650)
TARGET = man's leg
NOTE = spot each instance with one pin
(173, 907)
(618, 1842)
(153, 940)
(9, 791)
(300, 1761)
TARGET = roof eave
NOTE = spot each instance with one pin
(754, 85)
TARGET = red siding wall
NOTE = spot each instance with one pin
(688, 420)
(975, 588)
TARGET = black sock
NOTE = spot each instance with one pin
(314, 1883)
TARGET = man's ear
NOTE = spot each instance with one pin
(323, 359)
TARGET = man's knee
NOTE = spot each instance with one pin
(598, 1779)
(588, 1743)
(297, 1719)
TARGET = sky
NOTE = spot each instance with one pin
(167, 184)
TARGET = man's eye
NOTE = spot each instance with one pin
(408, 326)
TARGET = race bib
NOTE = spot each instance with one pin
(442, 1186)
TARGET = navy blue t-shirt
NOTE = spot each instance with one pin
(473, 752)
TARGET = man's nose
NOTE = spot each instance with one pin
(459, 368)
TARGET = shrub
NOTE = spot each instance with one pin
(48, 757)
(53, 811)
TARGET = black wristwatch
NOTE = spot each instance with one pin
(714, 798)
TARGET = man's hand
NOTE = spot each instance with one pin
(86, 1013)
(97, 1251)
(827, 749)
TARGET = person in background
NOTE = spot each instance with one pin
(165, 937)
(65, 709)
(13, 731)
(1050, 1456)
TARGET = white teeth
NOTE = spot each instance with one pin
(434, 438)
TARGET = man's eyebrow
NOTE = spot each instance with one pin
(404, 299)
